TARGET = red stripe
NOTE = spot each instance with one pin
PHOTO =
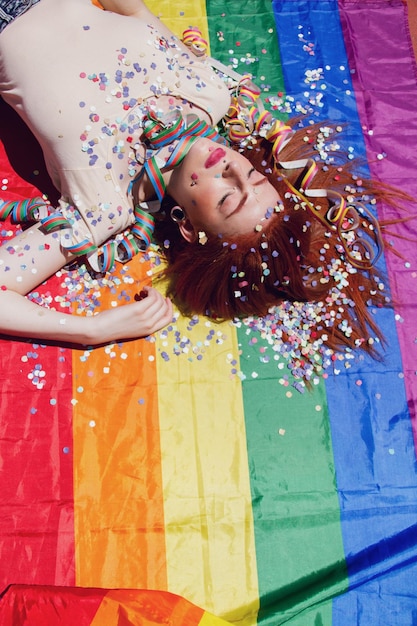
(37, 529)
(46, 606)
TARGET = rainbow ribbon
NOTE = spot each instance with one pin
(36, 209)
(138, 239)
(151, 168)
(127, 249)
(107, 258)
(162, 132)
(159, 134)
(56, 221)
(30, 209)
(143, 227)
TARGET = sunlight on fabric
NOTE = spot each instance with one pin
(117, 476)
(209, 531)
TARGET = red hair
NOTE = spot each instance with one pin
(295, 257)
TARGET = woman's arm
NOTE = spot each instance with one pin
(29, 259)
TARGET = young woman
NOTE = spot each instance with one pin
(124, 113)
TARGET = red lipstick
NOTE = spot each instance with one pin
(214, 157)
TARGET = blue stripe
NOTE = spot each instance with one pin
(369, 417)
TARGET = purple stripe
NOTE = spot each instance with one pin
(384, 77)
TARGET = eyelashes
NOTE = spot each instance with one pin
(194, 181)
(223, 200)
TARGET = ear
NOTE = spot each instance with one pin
(187, 230)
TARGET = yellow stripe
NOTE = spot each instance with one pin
(209, 529)
(211, 620)
(179, 16)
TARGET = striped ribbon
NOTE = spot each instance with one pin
(159, 132)
(356, 227)
(56, 221)
(193, 38)
(154, 174)
(137, 240)
(144, 226)
(24, 210)
(365, 247)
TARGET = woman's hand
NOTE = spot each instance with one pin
(139, 319)
(20, 317)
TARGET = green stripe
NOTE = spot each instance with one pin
(298, 540)
(316, 616)
(244, 31)
(299, 549)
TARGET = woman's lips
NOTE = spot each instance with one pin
(214, 157)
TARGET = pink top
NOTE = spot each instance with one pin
(82, 78)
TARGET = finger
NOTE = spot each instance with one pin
(155, 311)
(152, 295)
(155, 300)
(170, 311)
(163, 316)
(151, 304)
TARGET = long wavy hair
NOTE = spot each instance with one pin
(293, 257)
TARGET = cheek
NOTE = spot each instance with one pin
(200, 213)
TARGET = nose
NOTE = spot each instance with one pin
(234, 171)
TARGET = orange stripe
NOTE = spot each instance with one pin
(119, 520)
(148, 608)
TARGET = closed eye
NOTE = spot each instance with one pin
(223, 200)
(226, 195)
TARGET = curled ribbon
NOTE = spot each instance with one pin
(193, 39)
(123, 250)
(246, 114)
(36, 209)
(23, 210)
(159, 132)
(357, 229)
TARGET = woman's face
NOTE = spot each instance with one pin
(220, 191)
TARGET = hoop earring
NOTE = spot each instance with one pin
(177, 214)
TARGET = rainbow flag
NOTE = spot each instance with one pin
(189, 478)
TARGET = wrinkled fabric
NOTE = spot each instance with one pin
(192, 462)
